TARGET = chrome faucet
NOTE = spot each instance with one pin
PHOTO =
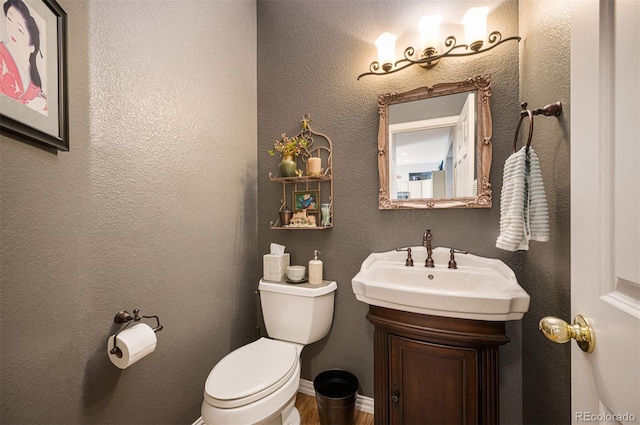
(426, 242)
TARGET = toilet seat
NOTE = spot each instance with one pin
(250, 373)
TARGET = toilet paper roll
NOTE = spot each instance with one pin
(134, 343)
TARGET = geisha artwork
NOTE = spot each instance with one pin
(33, 72)
(22, 59)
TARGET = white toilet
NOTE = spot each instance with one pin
(258, 382)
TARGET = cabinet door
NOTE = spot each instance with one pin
(432, 384)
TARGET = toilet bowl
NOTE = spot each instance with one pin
(253, 384)
(257, 383)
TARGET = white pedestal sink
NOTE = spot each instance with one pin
(479, 289)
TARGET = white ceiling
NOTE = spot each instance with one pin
(422, 146)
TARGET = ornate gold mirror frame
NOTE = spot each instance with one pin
(482, 85)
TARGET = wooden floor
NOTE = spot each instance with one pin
(308, 409)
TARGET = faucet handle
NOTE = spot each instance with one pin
(409, 262)
(452, 259)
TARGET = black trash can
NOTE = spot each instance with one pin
(336, 392)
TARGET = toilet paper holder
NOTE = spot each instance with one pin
(128, 318)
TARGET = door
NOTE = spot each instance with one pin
(432, 384)
(605, 213)
(464, 149)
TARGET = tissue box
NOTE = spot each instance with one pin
(274, 267)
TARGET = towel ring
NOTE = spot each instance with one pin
(551, 110)
(525, 112)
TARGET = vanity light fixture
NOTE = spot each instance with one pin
(475, 26)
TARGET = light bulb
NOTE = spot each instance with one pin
(386, 45)
(475, 26)
(429, 33)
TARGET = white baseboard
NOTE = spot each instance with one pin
(363, 403)
(306, 387)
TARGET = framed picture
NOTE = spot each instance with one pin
(306, 200)
(33, 71)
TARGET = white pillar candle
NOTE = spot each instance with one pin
(314, 166)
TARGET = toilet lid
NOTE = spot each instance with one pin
(250, 373)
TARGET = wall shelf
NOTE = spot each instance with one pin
(318, 146)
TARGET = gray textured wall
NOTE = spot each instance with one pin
(153, 208)
(545, 27)
(309, 55)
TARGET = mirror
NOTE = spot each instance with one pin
(434, 146)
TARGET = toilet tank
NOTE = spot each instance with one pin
(300, 313)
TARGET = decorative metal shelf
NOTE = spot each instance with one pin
(318, 146)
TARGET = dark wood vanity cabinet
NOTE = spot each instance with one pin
(434, 370)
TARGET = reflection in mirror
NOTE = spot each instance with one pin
(435, 146)
(424, 153)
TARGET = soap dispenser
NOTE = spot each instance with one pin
(315, 269)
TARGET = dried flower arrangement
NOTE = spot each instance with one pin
(288, 147)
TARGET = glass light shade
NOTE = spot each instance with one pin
(429, 31)
(475, 24)
(386, 45)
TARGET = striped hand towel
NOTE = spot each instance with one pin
(538, 220)
(523, 204)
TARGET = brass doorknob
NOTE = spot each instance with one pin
(557, 330)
